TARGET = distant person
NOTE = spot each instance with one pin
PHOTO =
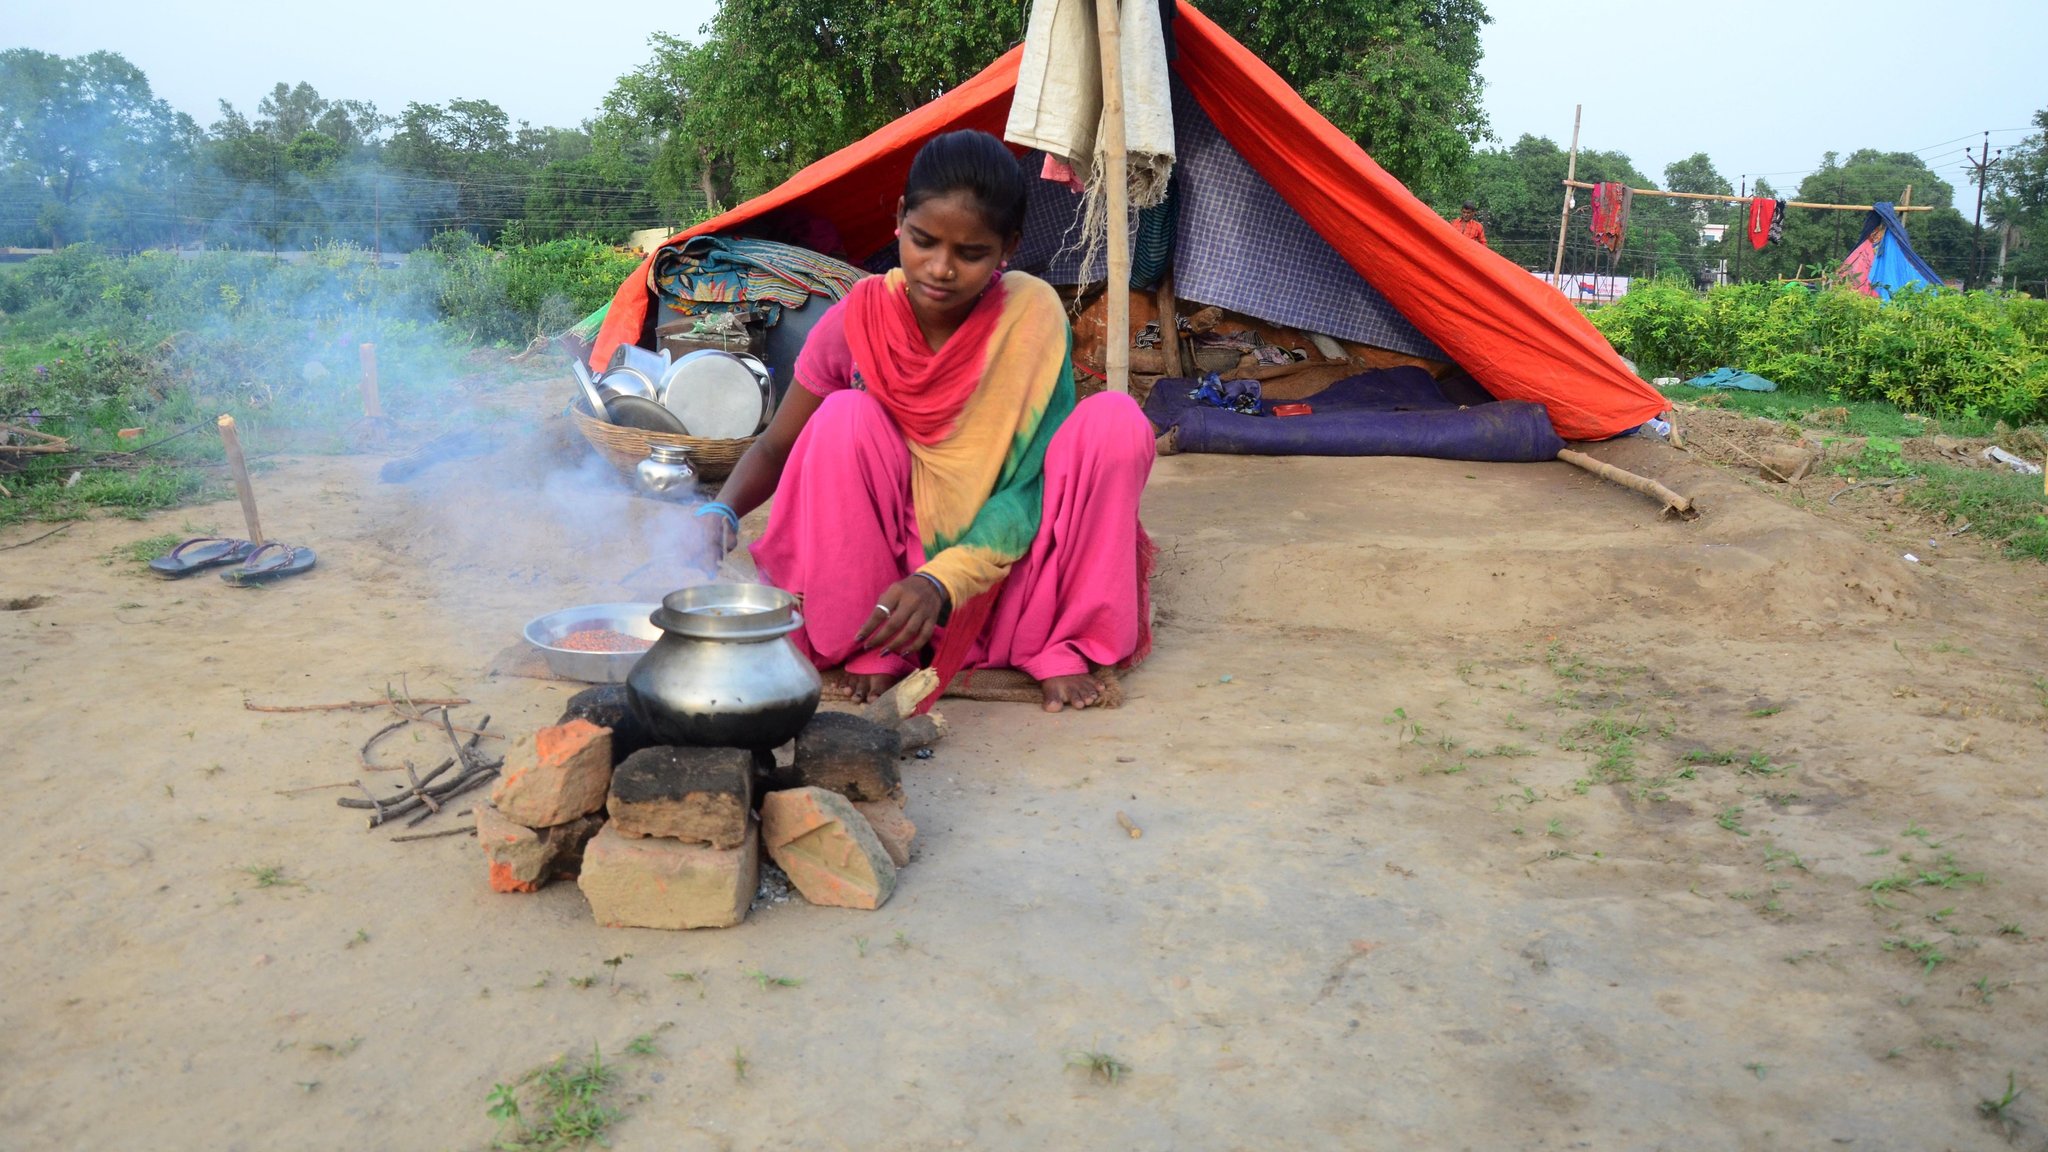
(1468, 224)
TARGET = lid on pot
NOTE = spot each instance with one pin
(728, 612)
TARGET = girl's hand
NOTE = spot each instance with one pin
(706, 541)
(905, 617)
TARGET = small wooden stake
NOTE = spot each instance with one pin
(1674, 504)
(239, 468)
(1125, 823)
(373, 405)
(1169, 325)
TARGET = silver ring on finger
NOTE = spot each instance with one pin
(883, 609)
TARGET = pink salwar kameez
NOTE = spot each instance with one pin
(842, 530)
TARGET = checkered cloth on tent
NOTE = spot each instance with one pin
(1238, 245)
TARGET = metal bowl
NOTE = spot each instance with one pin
(592, 667)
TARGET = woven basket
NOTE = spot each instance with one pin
(626, 447)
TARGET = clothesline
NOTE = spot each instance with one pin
(1734, 199)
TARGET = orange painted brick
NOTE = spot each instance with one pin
(521, 859)
(565, 774)
(892, 827)
(827, 847)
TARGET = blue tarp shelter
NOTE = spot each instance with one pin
(1883, 261)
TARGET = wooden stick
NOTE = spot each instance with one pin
(1169, 325)
(1571, 174)
(232, 441)
(1125, 822)
(351, 705)
(467, 830)
(902, 700)
(1117, 355)
(1720, 199)
(33, 539)
(373, 405)
(921, 731)
(1674, 504)
(315, 788)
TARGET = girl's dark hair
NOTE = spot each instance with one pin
(975, 163)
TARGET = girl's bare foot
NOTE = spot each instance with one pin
(1077, 692)
(861, 688)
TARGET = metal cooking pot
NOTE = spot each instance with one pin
(724, 673)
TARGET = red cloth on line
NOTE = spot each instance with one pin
(1518, 336)
(1761, 210)
(1611, 202)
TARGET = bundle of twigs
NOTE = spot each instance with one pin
(421, 797)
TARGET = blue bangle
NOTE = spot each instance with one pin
(945, 598)
(725, 510)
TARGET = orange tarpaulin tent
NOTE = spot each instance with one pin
(1517, 336)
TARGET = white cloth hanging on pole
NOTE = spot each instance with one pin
(1058, 105)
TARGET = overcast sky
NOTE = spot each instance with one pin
(1762, 86)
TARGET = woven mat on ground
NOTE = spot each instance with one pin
(1002, 685)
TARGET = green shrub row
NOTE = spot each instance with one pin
(96, 340)
(1972, 354)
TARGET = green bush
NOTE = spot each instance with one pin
(1971, 354)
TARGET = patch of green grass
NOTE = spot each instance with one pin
(148, 548)
(2001, 506)
(270, 876)
(1761, 713)
(557, 1106)
(766, 981)
(1852, 417)
(1731, 820)
(1999, 1111)
(1102, 1067)
(1927, 952)
(1612, 741)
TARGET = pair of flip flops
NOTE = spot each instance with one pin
(255, 564)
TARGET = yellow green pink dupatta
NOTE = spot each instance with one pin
(978, 415)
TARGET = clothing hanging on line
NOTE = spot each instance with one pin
(1611, 202)
(1766, 222)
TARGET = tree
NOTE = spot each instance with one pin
(2019, 208)
(1401, 77)
(775, 84)
(87, 150)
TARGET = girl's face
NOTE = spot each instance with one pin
(949, 254)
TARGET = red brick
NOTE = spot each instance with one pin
(521, 859)
(655, 882)
(563, 775)
(827, 847)
(892, 827)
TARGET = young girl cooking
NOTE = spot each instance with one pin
(933, 475)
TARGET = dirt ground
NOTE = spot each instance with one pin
(1481, 808)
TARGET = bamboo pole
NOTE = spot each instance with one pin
(1564, 217)
(239, 468)
(1117, 356)
(1674, 504)
(1905, 205)
(373, 404)
(1720, 199)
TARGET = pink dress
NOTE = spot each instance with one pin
(842, 529)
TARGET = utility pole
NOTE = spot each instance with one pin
(377, 220)
(1741, 225)
(1981, 169)
(1564, 218)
